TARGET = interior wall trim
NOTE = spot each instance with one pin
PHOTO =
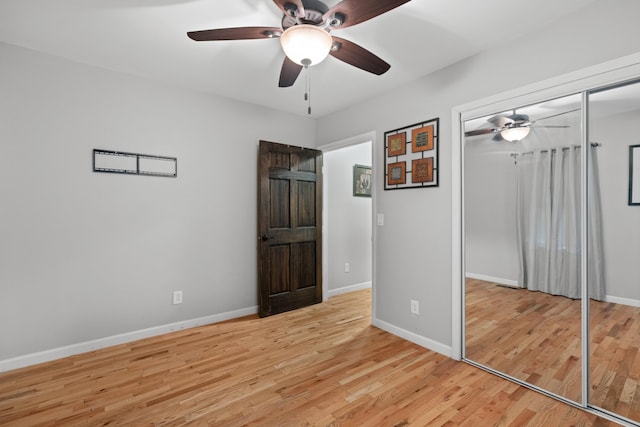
(499, 280)
(623, 301)
(514, 284)
(347, 142)
(427, 343)
(73, 349)
(608, 73)
(350, 288)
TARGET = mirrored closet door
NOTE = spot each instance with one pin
(614, 251)
(522, 213)
(551, 247)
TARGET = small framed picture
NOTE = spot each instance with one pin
(634, 175)
(361, 181)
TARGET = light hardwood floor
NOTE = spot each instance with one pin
(323, 365)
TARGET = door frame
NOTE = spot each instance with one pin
(343, 143)
(606, 74)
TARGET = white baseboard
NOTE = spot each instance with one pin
(621, 300)
(414, 338)
(70, 350)
(514, 283)
(498, 280)
(351, 288)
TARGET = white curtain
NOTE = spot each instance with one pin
(548, 223)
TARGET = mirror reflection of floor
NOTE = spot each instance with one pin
(615, 362)
(531, 336)
(535, 337)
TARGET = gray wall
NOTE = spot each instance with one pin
(490, 211)
(349, 219)
(86, 255)
(413, 248)
(620, 222)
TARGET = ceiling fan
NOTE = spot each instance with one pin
(511, 128)
(305, 34)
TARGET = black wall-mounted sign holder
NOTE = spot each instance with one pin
(134, 163)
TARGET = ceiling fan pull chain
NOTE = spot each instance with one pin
(307, 95)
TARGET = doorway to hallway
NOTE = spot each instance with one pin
(347, 220)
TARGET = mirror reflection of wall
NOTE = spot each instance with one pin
(614, 364)
(522, 245)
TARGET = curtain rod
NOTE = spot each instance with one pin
(593, 144)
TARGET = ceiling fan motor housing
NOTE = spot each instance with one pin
(520, 119)
(314, 11)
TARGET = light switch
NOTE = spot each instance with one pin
(380, 219)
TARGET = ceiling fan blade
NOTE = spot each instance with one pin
(289, 73)
(500, 121)
(241, 33)
(480, 131)
(352, 12)
(358, 56)
(297, 3)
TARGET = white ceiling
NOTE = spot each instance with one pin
(148, 38)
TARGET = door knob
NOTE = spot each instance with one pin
(266, 237)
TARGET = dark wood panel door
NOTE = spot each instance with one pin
(289, 227)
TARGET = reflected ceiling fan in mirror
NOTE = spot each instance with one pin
(512, 128)
(305, 34)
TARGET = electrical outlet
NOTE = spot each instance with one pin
(415, 307)
(347, 267)
(177, 297)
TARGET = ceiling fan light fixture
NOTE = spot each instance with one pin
(306, 44)
(514, 134)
